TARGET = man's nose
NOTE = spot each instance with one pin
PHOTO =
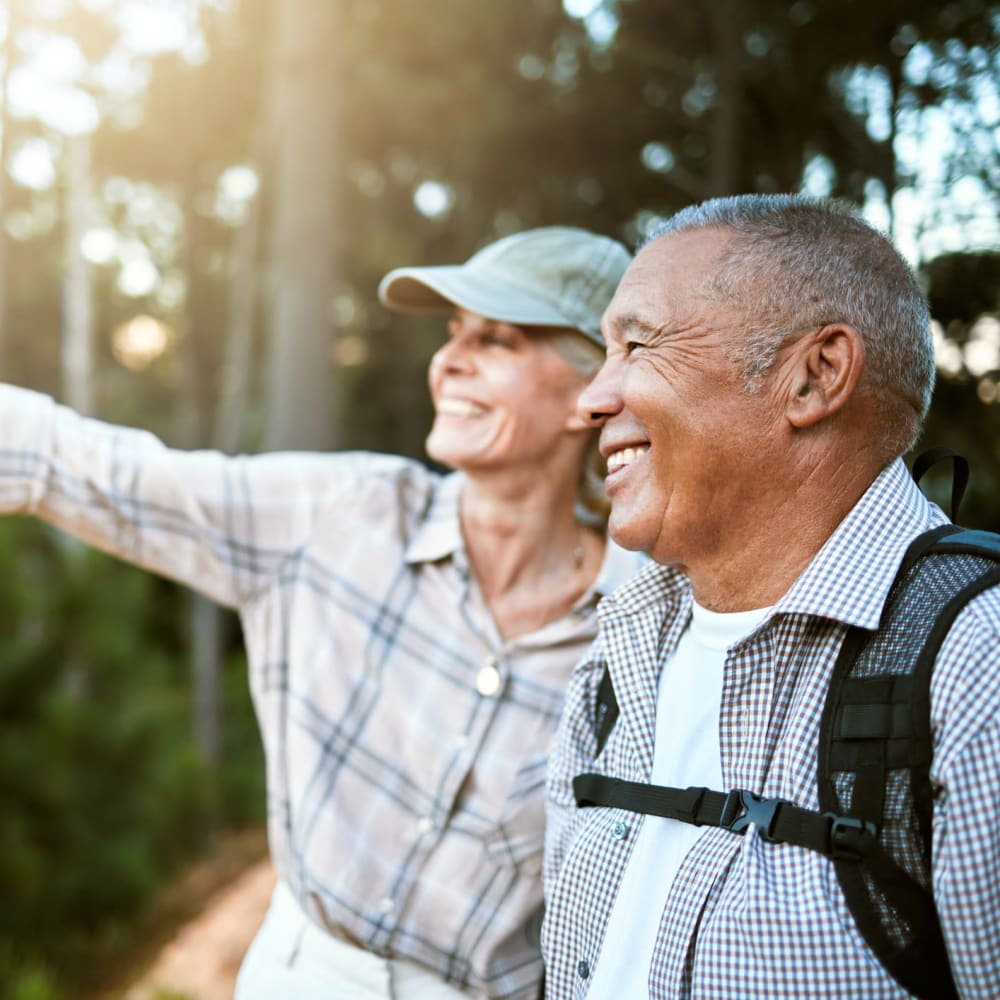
(600, 398)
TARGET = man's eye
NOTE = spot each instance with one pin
(633, 345)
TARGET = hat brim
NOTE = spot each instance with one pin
(438, 289)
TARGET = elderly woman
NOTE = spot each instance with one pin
(409, 635)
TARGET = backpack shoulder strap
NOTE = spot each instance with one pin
(959, 477)
(605, 711)
(876, 750)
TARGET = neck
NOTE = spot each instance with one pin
(531, 558)
(511, 533)
(758, 561)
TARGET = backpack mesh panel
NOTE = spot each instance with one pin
(909, 615)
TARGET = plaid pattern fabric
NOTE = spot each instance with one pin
(745, 918)
(406, 741)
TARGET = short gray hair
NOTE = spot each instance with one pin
(798, 263)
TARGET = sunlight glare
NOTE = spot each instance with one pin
(99, 245)
(947, 354)
(982, 352)
(433, 199)
(138, 277)
(151, 26)
(580, 9)
(32, 166)
(59, 59)
(139, 342)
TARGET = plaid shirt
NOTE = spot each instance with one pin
(745, 918)
(406, 741)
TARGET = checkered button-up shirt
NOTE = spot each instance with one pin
(750, 919)
(406, 741)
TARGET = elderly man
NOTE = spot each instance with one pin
(769, 361)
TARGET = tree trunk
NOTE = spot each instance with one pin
(226, 435)
(724, 137)
(301, 132)
(78, 312)
(5, 121)
(241, 314)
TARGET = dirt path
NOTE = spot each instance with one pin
(202, 960)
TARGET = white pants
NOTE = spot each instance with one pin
(291, 958)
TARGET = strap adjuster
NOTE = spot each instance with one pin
(850, 839)
(742, 808)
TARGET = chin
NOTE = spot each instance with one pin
(627, 533)
(438, 450)
(452, 458)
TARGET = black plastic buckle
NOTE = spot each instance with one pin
(742, 808)
(850, 839)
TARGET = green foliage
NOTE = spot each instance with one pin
(104, 791)
(30, 984)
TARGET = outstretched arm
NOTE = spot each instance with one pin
(219, 524)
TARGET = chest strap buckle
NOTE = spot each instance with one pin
(742, 808)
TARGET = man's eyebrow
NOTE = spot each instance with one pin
(629, 322)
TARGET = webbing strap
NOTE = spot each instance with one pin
(959, 478)
(606, 711)
(777, 820)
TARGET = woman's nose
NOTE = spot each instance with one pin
(450, 357)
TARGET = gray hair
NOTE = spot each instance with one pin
(585, 357)
(798, 263)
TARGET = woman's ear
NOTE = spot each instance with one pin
(826, 369)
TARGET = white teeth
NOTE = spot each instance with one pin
(619, 459)
(458, 407)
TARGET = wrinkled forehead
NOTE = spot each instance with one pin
(664, 280)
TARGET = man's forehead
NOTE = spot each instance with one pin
(680, 253)
(664, 273)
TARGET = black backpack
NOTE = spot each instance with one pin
(875, 750)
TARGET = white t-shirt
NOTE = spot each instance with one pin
(686, 752)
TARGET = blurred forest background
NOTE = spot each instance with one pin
(198, 198)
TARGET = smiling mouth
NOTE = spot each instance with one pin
(452, 407)
(626, 456)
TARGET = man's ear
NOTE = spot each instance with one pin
(826, 368)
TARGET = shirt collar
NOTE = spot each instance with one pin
(849, 578)
(619, 566)
(653, 584)
(439, 533)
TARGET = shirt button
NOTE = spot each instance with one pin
(386, 905)
(619, 831)
(425, 824)
(488, 679)
(583, 969)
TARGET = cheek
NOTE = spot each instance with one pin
(434, 369)
(507, 380)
